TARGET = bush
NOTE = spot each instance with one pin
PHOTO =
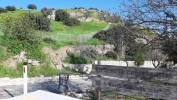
(90, 54)
(21, 29)
(73, 59)
(32, 6)
(41, 22)
(61, 15)
(138, 59)
(3, 10)
(47, 70)
(45, 11)
(71, 22)
(49, 40)
(10, 8)
(111, 54)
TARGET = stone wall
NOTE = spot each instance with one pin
(147, 64)
(88, 67)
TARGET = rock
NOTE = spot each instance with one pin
(41, 75)
(77, 95)
(35, 63)
(22, 55)
(29, 61)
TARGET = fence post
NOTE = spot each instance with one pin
(25, 89)
(98, 94)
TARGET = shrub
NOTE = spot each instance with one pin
(47, 70)
(41, 22)
(3, 10)
(32, 6)
(61, 15)
(138, 59)
(111, 54)
(73, 59)
(49, 40)
(90, 54)
(45, 11)
(10, 8)
(71, 22)
(21, 29)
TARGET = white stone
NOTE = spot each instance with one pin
(35, 63)
(29, 61)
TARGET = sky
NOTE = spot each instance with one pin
(100, 4)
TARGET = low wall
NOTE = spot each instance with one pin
(147, 64)
(88, 67)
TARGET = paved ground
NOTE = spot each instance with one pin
(51, 86)
(13, 90)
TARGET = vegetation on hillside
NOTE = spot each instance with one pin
(30, 30)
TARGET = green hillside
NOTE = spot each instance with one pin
(64, 35)
(61, 34)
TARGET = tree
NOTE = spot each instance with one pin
(155, 53)
(169, 47)
(119, 36)
(45, 11)
(40, 21)
(61, 15)
(3, 10)
(10, 8)
(115, 18)
(32, 6)
(159, 16)
(104, 15)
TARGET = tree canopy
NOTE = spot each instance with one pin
(158, 16)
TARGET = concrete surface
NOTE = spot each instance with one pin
(76, 83)
(42, 95)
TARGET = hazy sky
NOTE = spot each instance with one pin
(100, 4)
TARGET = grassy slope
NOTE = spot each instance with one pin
(65, 35)
(84, 28)
(58, 31)
(18, 12)
(62, 34)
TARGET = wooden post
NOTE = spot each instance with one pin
(59, 82)
(98, 94)
(67, 83)
(98, 90)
